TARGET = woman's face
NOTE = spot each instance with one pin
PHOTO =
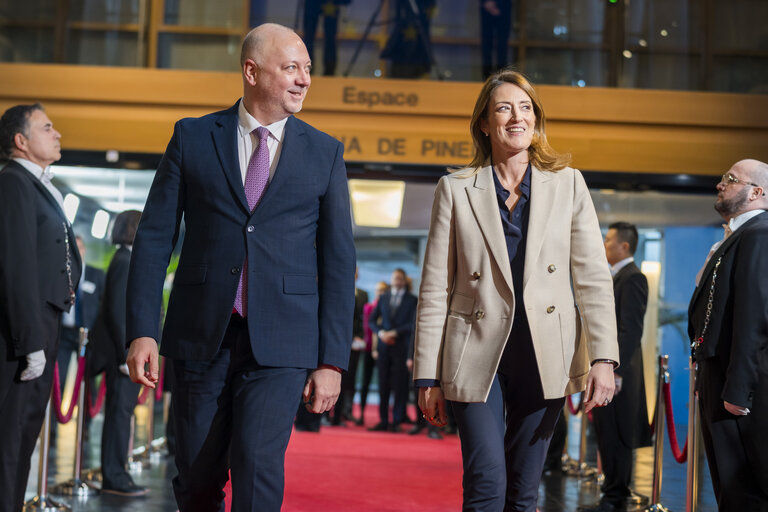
(510, 121)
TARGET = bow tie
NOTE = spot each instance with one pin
(47, 175)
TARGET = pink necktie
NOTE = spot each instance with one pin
(256, 179)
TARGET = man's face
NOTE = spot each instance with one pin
(398, 280)
(615, 249)
(282, 77)
(732, 198)
(40, 144)
(81, 248)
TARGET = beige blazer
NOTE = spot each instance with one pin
(466, 298)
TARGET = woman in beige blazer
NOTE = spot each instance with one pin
(516, 302)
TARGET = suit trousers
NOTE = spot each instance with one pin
(231, 412)
(393, 377)
(121, 399)
(23, 412)
(728, 443)
(69, 342)
(615, 455)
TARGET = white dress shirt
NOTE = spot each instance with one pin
(39, 173)
(248, 142)
(620, 265)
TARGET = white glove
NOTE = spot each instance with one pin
(35, 366)
(123, 369)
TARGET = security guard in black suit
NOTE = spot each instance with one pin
(39, 271)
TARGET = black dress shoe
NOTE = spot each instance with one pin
(379, 427)
(415, 430)
(604, 506)
(434, 434)
(130, 490)
(359, 422)
(394, 428)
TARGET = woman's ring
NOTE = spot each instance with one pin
(606, 402)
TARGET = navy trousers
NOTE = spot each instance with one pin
(504, 441)
(230, 412)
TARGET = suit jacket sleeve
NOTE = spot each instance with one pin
(155, 239)
(750, 319)
(633, 301)
(437, 279)
(19, 287)
(336, 268)
(592, 283)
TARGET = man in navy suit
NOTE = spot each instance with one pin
(39, 271)
(261, 309)
(392, 320)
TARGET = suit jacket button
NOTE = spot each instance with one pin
(476, 275)
(551, 268)
(479, 314)
(550, 309)
(251, 229)
(234, 270)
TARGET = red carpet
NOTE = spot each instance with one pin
(348, 469)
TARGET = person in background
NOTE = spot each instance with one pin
(40, 268)
(495, 27)
(343, 409)
(623, 425)
(516, 303)
(330, 11)
(728, 326)
(83, 314)
(393, 319)
(107, 352)
(260, 313)
(371, 351)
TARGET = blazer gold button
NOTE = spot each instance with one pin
(476, 275)
(479, 314)
(550, 309)
(551, 268)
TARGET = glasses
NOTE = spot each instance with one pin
(729, 178)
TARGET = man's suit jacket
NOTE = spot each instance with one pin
(737, 335)
(33, 279)
(297, 241)
(90, 294)
(401, 320)
(467, 303)
(107, 344)
(630, 289)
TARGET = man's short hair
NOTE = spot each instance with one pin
(15, 120)
(626, 232)
(124, 229)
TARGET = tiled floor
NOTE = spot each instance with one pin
(558, 492)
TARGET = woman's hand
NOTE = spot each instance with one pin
(600, 386)
(432, 405)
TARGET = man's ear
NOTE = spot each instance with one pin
(250, 71)
(20, 141)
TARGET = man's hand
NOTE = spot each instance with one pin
(35, 366)
(600, 386)
(143, 351)
(322, 390)
(618, 380)
(388, 337)
(491, 7)
(432, 405)
(358, 343)
(735, 409)
(409, 364)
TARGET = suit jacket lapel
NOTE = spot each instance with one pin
(482, 198)
(292, 157)
(543, 195)
(225, 141)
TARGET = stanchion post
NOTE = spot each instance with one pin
(658, 444)
(692, 470)
(76, 486)
(150, 455)
(42, 501)
(582, 469)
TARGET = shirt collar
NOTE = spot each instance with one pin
(246, 123)
(525, 185)
(738, 221)
(616, 267)
(32, 167)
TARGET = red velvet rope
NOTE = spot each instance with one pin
(61, 417)
(93, 409)
(680, 455)
(569, 401)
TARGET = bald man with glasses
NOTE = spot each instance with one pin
(728, 328)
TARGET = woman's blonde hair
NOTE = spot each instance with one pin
(540, 153)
